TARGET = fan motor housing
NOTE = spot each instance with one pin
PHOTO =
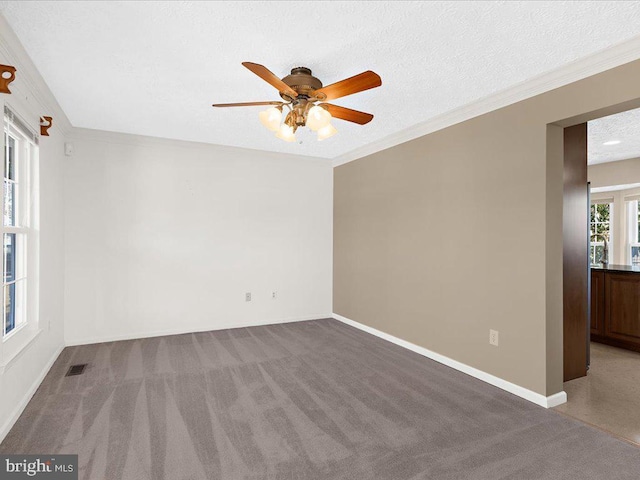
(302, 81)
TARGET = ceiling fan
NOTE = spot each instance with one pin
(304, 97)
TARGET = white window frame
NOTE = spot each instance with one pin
(632, 225)
(27, 203)
(592, 244)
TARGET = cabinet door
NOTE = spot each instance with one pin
(622, 312)
(597, 302)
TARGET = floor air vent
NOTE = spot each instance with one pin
(76, 370)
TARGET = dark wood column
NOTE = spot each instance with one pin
(575, 232)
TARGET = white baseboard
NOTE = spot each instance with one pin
(180, 331)
(537, 398)
(556, 399)
(13, 418)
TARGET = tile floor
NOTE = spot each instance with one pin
(609, 396)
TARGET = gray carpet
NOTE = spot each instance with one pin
(311, 400)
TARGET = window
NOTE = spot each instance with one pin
(634, 232)
(600, 222)
(20, 150)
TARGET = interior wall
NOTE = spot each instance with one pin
(168, 237)
(442, 238)
(622, 172)
(21, 375)
(554, 256)
(26, 356)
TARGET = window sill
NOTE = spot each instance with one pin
(25, 342)
(13, 332)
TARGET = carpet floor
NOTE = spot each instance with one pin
(311, 400)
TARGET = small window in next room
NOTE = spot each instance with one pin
(633, 222)
(18, 203)
(600, 222)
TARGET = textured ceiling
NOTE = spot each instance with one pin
(154, 68)
(623, 127)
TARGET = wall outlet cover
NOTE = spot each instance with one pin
(494, 337)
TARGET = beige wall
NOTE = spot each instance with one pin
(623, 172)
(442, 238)
(611, 174)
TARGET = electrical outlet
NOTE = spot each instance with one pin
(493, 337)
(247, 297)
(274, 295)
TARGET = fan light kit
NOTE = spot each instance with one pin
(303, 95)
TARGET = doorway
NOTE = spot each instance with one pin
(601, 273)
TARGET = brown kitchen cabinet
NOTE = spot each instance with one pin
(597, 302)
(615, 306)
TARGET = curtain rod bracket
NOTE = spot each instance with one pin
(45, 125)
(7, 75)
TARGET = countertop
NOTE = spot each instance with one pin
(617, 268)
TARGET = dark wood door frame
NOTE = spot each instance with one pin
(575, 231)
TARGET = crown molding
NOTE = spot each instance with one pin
(599, 62)
(29, 90)
(29, 87)
(87, 134)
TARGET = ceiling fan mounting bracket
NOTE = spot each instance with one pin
(302, 81)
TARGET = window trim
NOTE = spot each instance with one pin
(632, 245)
(27, 221)
(610, 241)
(633, 227)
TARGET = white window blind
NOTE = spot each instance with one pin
(21, 125)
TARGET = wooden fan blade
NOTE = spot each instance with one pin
(246, 104)
(347, 114)
(349, 86)
(265, 74)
